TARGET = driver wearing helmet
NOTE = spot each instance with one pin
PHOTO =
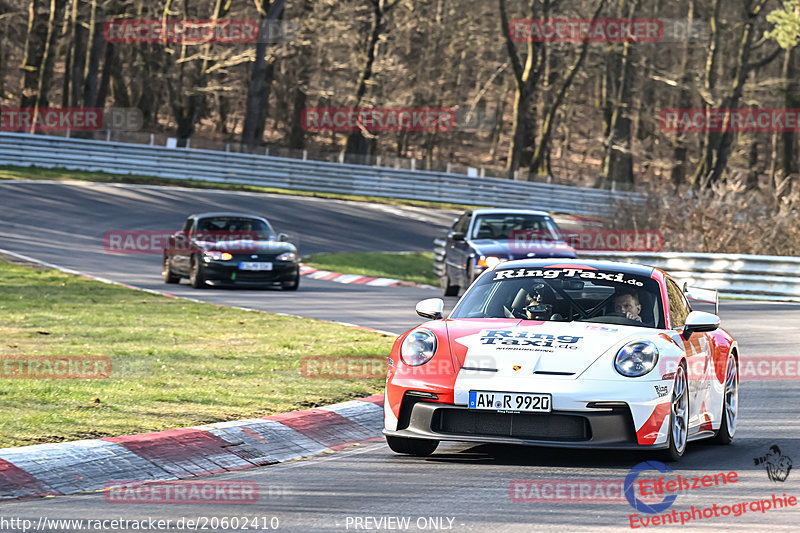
(534, 307)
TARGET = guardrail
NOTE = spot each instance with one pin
(758, 277)
(268, 171)
(765, 277)
(438, 257)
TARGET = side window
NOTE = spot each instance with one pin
(463, 224)
(679, 307)
(188, 226)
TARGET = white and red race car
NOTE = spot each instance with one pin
(566, 353)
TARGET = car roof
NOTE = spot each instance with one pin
(626, 268)
(226, 214)
(498, 211)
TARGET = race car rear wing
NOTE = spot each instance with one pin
(708, 296)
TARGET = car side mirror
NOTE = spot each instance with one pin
(282, 237)
(431, 308)
(457, 236)
(698, 321)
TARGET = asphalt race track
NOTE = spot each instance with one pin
(460, 487)
(64, 224)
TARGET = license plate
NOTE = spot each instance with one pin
(253, 265)
(513, 402)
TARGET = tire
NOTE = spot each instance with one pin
(196, 277)
(291, 285)
(417, 447)
(447, 288)
(678, 416)
(166, 272)
(730, 403)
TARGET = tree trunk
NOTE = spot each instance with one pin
(742, 72)
(258, 91)
(792, 101)
(710, 139)
(684, 101)
(35, 42)
(526, 78)
(76, 56)
(266, 89)
(356, 143)
(188, 110)
(95, 51)
(297, 136)
(109, 61)
(541, 156)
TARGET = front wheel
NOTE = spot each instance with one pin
(418, 447)
(730, 404)
(678, 417)
(196, 277)
(291, 285)
(447, 288)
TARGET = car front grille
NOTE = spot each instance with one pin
(522, 426)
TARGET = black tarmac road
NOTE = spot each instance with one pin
(367, 487)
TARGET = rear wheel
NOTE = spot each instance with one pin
(196, 276)
(678, 418)
(418, 447)
(730, 403)
(166, 272)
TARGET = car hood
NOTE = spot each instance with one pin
(513, 348)
(506, 249)
(245, 246)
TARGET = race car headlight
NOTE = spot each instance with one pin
(418, 347)
(288, 256)
(218, 256)
(636, 359)
(489, 261)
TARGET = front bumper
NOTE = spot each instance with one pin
(228, 273)
(601, 428)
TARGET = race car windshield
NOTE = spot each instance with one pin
(248, 227)
(504, 226)
(565, 295)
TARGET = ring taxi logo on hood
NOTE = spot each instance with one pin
(527, 338)
(617, 277)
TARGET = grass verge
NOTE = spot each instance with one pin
(34, 173)
(417, 267)
(175, 363)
